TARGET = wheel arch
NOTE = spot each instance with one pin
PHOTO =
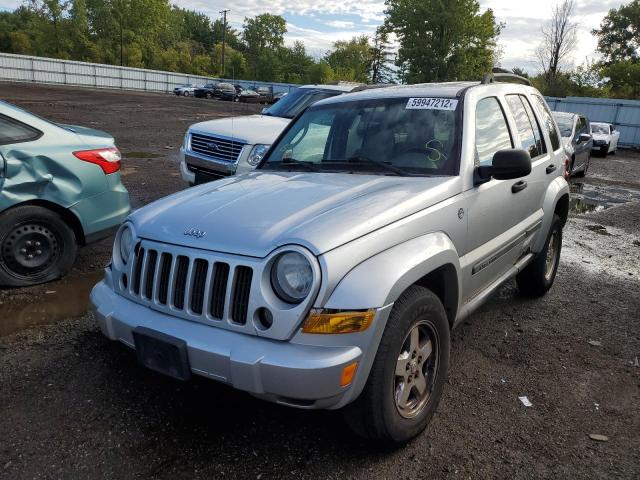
(430, 261)
(67, 215)
(556, 201)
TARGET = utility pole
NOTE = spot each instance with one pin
(224, 36)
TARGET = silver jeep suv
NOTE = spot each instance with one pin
(332, 276)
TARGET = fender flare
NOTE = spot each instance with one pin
(381, 279)
(555, 191)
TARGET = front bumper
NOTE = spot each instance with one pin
(295, 374)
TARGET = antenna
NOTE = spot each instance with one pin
(224, 36)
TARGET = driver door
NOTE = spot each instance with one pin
(498, 209)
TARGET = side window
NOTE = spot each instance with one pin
(548, 122)
(537, 130)
(12, 131)
(492, 132)
(525, 125)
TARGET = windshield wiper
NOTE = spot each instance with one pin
(292, 161)
(386, 166)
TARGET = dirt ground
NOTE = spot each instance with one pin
(75, 405)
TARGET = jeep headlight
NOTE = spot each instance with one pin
(125, 243)
(291, 277)
(257, 153)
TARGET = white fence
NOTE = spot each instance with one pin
(24, 68)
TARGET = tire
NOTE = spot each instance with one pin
(36, 246)
(208, 96)
(537, 277)
(376, 414)
(185, 93)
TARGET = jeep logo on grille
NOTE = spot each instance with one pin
(213, 146)
(194, 232)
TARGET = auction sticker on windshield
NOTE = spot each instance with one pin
(431, 103)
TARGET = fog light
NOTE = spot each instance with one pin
(347, 374)
(320, 321)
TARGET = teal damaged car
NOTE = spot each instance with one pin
(60, 188)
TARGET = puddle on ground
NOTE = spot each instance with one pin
(587, 198)
(140, 155)
(66, 298)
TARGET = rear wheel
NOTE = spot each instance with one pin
(408, 374)
(185, 93)
(36, 246)
(208, 95)
(538, 276)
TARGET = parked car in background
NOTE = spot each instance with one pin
(229, 96)
(59, 189)
(205, 91)
(266, 94)
(333, 275)
(576, 138)
(228, 146)
(249, 96)
(605, 138)
(185, 90)
(222, 88)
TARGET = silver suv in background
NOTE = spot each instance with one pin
(228, 146)
(332, 276)
(575, 131)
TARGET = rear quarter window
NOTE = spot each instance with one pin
(547, 121)
(13, 131)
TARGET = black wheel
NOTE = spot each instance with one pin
(408, 374)
(36, 246)
(185, 93)
(538, 276)
(208, 95)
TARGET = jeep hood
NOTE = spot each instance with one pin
(252, 129)
(255, 213)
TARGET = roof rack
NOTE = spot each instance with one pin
(497, 77)
(360, 88)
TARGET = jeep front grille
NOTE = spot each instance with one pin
(190, 285)
(216, 147)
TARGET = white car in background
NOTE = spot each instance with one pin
(605, 138)
(228, 146)
(185, 90)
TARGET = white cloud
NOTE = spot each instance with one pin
(339, 24)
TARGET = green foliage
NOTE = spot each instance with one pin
(350, 60)
(619, 34)
(623, 79)
(441, 41)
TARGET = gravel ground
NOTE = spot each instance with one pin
(77, 406)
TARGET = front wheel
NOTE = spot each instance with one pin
(36, 246)
(185, 93)
(209, 96)
(537, 277)
(408, 374)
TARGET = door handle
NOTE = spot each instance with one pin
(551, 168)
(518, 186)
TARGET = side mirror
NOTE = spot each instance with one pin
(506, 165)
(584, 137)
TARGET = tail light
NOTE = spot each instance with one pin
(106, 158)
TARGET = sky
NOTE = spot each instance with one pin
(319, 23)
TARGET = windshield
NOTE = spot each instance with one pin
(565, 124)
(384, 136)
(293, 103)
(597, 128)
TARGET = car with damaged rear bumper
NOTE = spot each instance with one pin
(332, 275)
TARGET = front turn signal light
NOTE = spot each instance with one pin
(319, 321)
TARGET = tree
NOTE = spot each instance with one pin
(442, 41)
(381, 54)
(619, 34)
(263, 36)
(351, 59)
(559, 39)
(232, 38)
(295, 63)
(623, 78)
(320, 73)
